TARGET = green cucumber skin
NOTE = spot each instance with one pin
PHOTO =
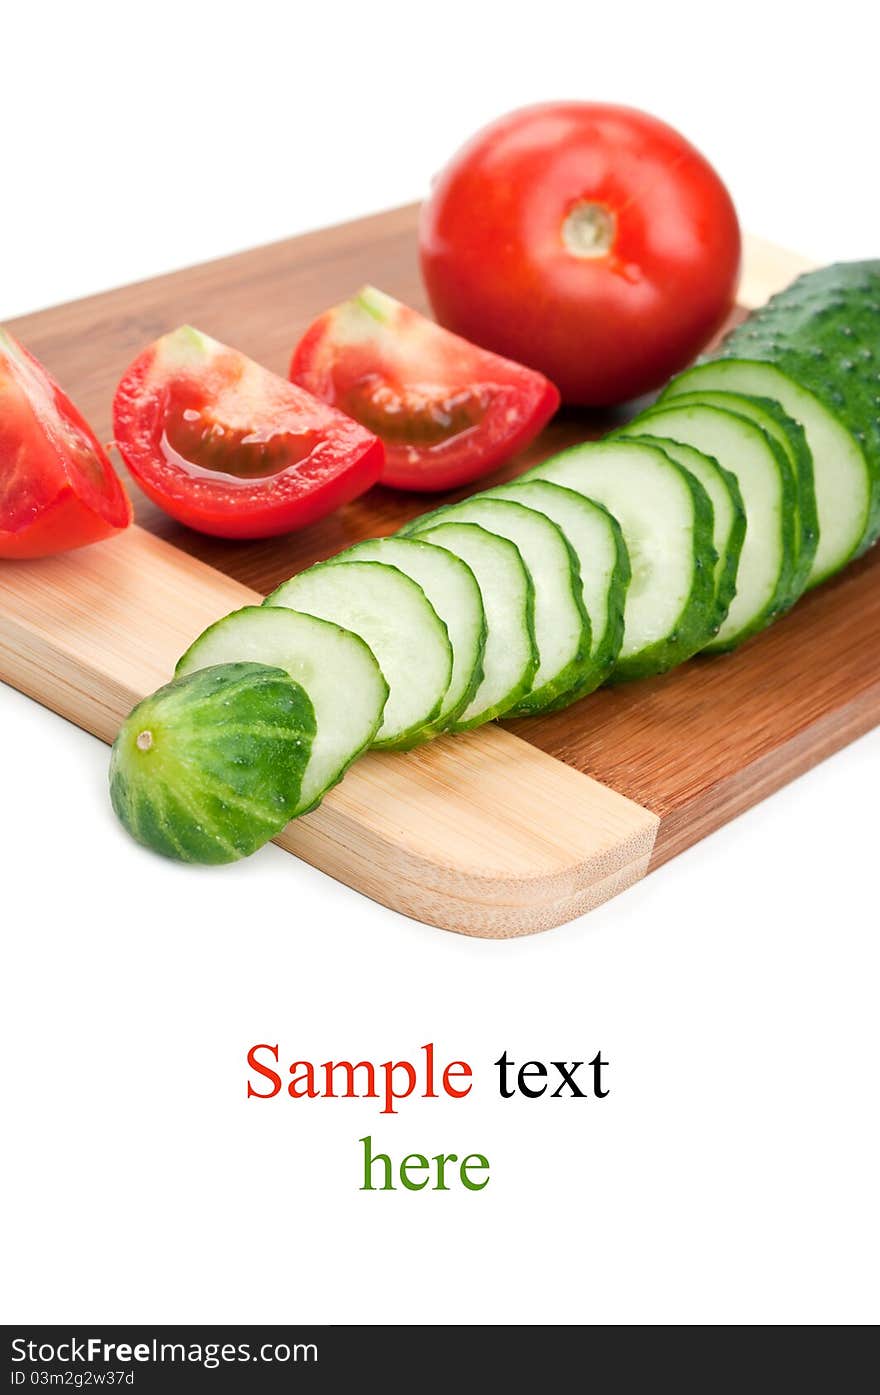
(725, 588)
(782, 596)
(602, 660)
(697, 617)
(800, 458)
(823, 333)
(182, 663)
(579, 668)
(229, 745)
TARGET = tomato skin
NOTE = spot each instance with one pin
(413, 476)
(63, 526)
(604, 328)
(58, 489)
(447, 411)
(348, 463)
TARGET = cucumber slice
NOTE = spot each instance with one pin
(790, 437)
(452, 589)
(729, 515)
(336, 669)
(666, 519)
(820, 333)
(603, 561)
(562, 626)
(392, 614)
(209, 768)
(767, 560)
(842, 475)
(510, 658)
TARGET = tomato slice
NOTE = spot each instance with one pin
(231, 449)
(447, 411)
(58, 489)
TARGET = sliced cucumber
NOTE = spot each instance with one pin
(452, 589)
(767, 561)
(790, 437)
(392, 614)
(510, 658)
(841, 472)
(666, 519)
(603, 562)
(729, 515)
(562, 626)
(334, 666)
(821, 333)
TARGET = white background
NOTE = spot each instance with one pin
(731, 1174)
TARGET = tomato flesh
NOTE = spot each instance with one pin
(414, 415)
(229, 448)
(58, 489)
(446, 411)
(592, 242)
(195, 441)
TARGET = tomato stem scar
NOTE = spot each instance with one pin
(589, 230)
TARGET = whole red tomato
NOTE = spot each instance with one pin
(591, 242)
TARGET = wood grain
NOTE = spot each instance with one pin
(693, 748)
(702, 744)
(483, 834)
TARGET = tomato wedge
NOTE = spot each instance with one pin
(447, 411)
(231, 449)
(58, 489)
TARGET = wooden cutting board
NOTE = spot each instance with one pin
(501, 832)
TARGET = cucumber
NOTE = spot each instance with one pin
(666, 519)
(766, 570)
(209, 768)
(813, 349)
(451, 587)
(790, 437)
(392, 615)
(729, 515)
(510, 658)
(562, 626)
(603, 562)
(336, 669)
